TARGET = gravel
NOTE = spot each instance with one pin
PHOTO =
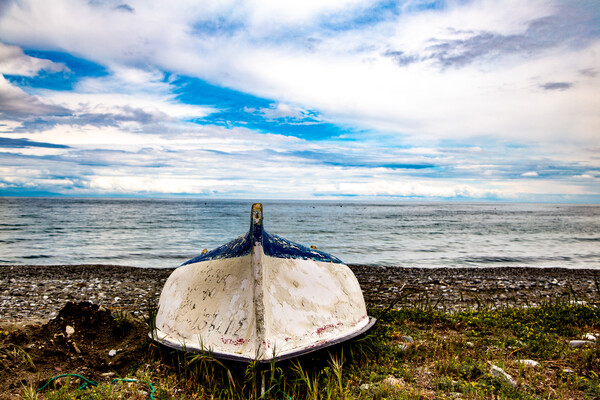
(34, 292)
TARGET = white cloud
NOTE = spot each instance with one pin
(16, 104)
(529, 174)
(425, 189)
(124, 91)
(14, 62)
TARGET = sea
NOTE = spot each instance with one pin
(162, 233)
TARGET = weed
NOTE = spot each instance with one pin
(449, 355)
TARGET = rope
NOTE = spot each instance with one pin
(135, 380)
(87, 382)
(84, 385)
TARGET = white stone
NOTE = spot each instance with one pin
(500, 374)
(589, 336)
(576, 344)
(568, 371)
(70, 330)
(529, 363)
(112, 353)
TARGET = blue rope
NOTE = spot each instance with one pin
(87, 382)
(84, 385)
(135, 380)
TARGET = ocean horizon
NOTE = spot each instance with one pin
(163, 233)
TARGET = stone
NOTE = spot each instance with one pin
(501, 374)
(69, 330)
(576, 344)
(112, 353)
(76, 348)
(568, 371)
(529, 363)
(589, 336)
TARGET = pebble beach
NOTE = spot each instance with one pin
(37, 293)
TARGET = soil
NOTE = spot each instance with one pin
(66, 319)
(79, 340)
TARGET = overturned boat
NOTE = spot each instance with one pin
(260, 297)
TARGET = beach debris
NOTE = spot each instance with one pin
(365, 386)
(408, 339)
(69, 330)
(112, 353)
(589, 336)
(469, 344)
(502, 375)
(529, 363)
(403, 347)
(576, 344)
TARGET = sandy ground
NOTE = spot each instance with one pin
(30, 292)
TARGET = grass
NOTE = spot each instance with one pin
(414, 352)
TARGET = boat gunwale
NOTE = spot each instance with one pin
(177, 345)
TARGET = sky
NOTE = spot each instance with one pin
(475, 100)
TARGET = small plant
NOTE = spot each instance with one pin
(122, 321)
(29, 393)
(17, 353)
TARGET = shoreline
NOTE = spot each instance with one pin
(38, 292)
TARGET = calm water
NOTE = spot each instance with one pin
(165, 233)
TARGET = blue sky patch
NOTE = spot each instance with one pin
(239, 109)
(78, 68)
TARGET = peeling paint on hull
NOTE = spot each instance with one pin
(260, 297)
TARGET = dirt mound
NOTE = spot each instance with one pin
(83, 339)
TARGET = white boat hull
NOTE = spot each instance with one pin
(258, 306)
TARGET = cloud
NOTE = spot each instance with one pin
(281, 111)
(14, 62)
(589, 72)
(410, 190)
(125, 7)
(529, 174)
(557, 85)
(416, 98)
(540, 34)
(16, 104)
(20, 143)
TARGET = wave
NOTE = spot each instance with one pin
(514, 260)
(592, 239)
